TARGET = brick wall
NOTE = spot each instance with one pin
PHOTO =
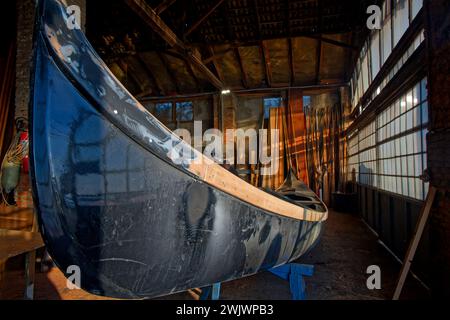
(25, 26)
(438, 140)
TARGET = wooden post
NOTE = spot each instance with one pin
(423, 218)
(2, 274)
(30, 261)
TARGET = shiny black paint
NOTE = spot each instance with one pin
(111, 201)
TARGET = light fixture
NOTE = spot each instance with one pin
(225, 92)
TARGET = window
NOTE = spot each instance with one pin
(185, 111)
(270, 103)
(163, 112)
(365, 72)
(386, 41)
(375, 53)
(390, 153)
(416, 5)
(401, 19)
(395, 22)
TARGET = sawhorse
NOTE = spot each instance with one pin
(294, 273)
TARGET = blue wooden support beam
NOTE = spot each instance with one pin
(294, 273)
(211, 291)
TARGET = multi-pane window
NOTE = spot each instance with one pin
(166, 113)
(390, 153)
(353, 158)
(400, 19)
(395, 22)
(367, 155)
(163, 111)
(402, 143)
(185, 111)
(270, 103)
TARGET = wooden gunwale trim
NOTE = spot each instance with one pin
(220, 178)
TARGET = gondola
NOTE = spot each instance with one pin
(112, 200)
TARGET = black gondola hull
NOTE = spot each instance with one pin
(135, 224)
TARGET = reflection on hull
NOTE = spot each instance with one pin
(110, 200)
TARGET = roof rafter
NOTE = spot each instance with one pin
(149, 16)
(241, 67)
(203, 18)
(163, 6)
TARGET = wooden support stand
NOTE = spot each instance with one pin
(423, 218)
(211, 291)
(294, 273)
(16, 243)
(291, 272)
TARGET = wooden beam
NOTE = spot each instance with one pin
(214, 62)
(218, 55)
(203, 18)
(149, 16)
(319, 60)
(258, 19)
(333, 42)
(319, 42)
(291, 63)
(163, 6)
(423, 218)
(267, 64)
(192, 74)
(241, 67)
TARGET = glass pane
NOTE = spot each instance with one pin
(418, 165)
(409, 100)
(415, 7)
(411, 189)
(386, 39)
(404, 166)
(405, 186)
(409, 120)
(163, 111)
(270, 103)
(424, 90)
(375, 53)
(419, 189)
(411, 169)
(417, 116)
(425, 112)
(365, 72)
(401, 19)
(185, 111)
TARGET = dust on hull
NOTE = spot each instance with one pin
(79, 58)
(112, 202)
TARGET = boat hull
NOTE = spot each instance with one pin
(135, 224)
